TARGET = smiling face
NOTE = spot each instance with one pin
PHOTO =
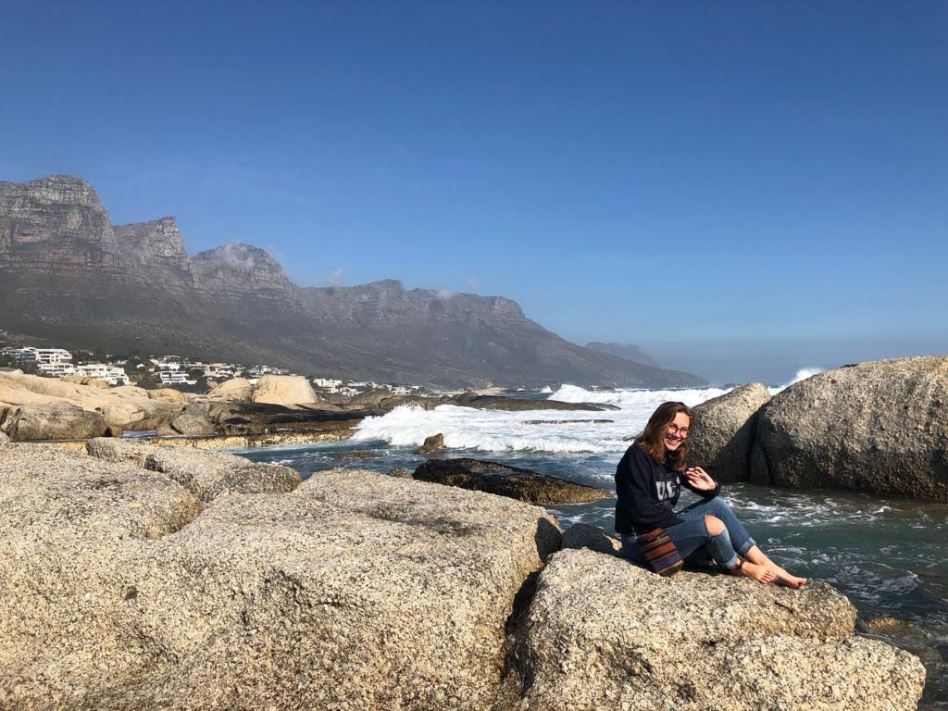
(677, 432)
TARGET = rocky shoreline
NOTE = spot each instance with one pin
(143, 576)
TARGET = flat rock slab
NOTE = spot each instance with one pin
(504, 480)
(205, 474)
(603, 633)
(356, 590)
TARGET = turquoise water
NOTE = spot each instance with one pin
(888, 555)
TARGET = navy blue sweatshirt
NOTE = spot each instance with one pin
(647, 493)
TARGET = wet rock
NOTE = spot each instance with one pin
(433, 443)
(602, 633)
(879, 427)
(515, 404)
(55, 420)
(723, 431)
(582, 535)
(504, 480)
(358, 454)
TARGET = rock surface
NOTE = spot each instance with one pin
(285, 390)
(55, 420)
(503, 480)
(879, 427)
(233, 390)
(205, 474)
(126, 406)
(433, 443)
(583, 535)
(603, 633)
(118, 592)
(723, 432)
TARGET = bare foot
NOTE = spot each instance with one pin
(761, 573)
(786, 579)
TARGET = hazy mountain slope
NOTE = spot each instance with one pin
(69, 275)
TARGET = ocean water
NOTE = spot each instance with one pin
(890, 556)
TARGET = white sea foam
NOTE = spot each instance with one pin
(801, 374)
(495, 430)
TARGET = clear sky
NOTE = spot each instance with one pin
(741, 188)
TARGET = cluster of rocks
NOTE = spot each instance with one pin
(39, 409)
(138, 576)
(879, 427)
(33, 408)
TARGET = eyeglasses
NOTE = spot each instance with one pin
(676, 430)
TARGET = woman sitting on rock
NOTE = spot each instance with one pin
(648, 483)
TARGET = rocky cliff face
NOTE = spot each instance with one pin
(67, 274)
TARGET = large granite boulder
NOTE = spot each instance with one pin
(354, 591)
(205, 474)
(723, 431)
(504, 480)
(233, 390)
(584, 535)
(55, 420)
(127, 407)
(602, 633)
(285, 390)
(879, 427)
(194, 421)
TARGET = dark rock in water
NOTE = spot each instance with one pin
(880, 427)
(504, 480)
(723, 431)
(433, 443)
(516, 404)
(57, 420)
(582, 535)
(246, 418)
(359, 454)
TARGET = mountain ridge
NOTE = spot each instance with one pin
(68, 274)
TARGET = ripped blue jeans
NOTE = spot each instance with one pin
(692, 535)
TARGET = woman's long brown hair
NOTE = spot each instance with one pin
(650, 441)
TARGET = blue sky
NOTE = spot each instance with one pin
(742, 188)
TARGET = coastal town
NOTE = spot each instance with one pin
(164, 371)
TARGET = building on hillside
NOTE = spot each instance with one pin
(168, 362)
(102, 371)
(221, 371)
(56, 370)
(172, 377)
(38, 356)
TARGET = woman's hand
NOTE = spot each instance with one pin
(699, 479)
